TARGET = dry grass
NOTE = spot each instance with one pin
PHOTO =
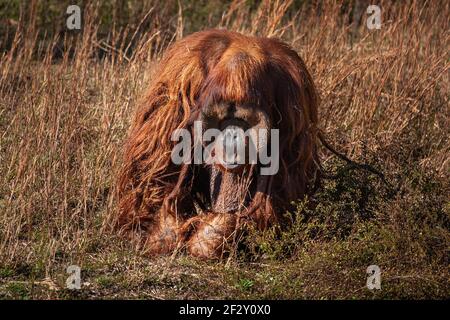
(66, 104)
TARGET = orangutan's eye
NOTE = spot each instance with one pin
(233, 122)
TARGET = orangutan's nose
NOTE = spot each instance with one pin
(232, 147)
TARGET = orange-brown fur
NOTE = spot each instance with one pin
(155, 195)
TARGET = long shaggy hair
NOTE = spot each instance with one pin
(159, 198)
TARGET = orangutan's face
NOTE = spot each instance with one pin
(232, 181)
